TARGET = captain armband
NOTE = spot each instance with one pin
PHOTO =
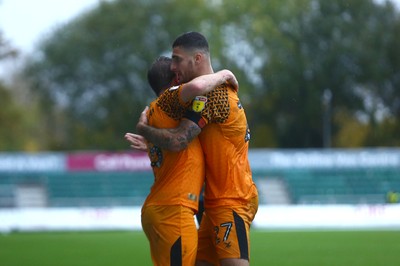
(196, 118)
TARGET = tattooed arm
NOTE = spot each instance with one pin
(173, 139)
(177, 139)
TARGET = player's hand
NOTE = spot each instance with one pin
(143, 122)
(231, 79)
(143, 116)
(137, 142)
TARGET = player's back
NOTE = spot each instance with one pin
(179, 176)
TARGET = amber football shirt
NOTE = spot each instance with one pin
(225, 143)
(179, 176)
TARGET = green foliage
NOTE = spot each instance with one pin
(307, 47)
(10, 118)
(6, 50)
(91, 73)
(14, 117)
(19, 128)
(352, 133)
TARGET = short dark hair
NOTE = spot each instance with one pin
(160, 75)
(191, 40)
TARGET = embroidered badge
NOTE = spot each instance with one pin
(199, 103)
(156, 156)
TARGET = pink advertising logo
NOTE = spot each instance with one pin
(109, 161)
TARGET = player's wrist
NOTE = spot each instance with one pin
(140, 127)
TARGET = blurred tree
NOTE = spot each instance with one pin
(91, 73)
(6, 50)
(10, 121)
(20, 123)
(13, 134)
(380, 82)
(299, 49)
(287, 54)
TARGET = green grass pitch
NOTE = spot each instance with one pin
(277, 248)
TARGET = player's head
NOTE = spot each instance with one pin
(190, 56)
(160, 76)
(191, 41)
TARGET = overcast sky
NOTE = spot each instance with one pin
(24, 22)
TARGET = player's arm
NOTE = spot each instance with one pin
(173, 139)
(177, 139)
(206, 83)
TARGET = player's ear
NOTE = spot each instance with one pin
(198, 57)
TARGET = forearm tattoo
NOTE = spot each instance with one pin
(174, 139)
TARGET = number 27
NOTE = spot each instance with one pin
(228, 228)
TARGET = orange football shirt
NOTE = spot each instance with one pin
(225, 143)
(178, 176)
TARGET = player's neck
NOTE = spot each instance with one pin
(206, 69)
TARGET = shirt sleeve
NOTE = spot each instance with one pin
(214, 107)
(170, 103)
(217, 107)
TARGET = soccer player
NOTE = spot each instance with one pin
(230, 197)
(169, 209)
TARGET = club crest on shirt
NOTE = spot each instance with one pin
(156, 156)
(199, 102)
